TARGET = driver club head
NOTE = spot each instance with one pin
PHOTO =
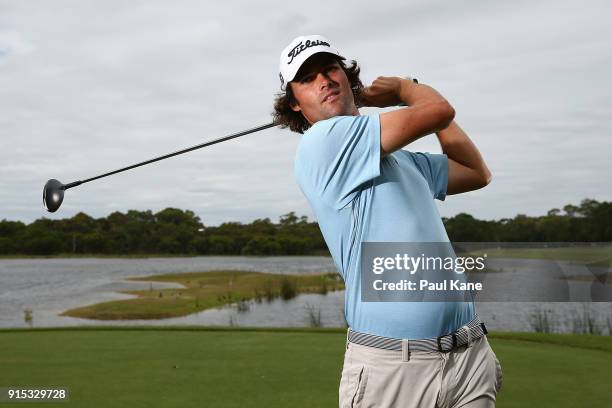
(53, 195)
(53, 192)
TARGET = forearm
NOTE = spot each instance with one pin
(427, 111)
(412, 93)
(458, 146)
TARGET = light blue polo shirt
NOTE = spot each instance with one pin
(357, 197)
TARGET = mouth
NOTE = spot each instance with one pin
(331, 96)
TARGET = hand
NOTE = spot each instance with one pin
(384, 92)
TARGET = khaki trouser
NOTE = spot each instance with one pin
(466, 377)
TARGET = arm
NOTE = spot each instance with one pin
(427, 111)
(467, 170)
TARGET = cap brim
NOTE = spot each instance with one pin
(297, 70)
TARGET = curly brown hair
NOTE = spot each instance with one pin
(286, 117)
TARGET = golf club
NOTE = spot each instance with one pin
(53, 192)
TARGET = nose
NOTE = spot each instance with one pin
(323, 79)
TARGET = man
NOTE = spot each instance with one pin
(364, 188)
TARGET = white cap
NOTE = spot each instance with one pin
(298, 51)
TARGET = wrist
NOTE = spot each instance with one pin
(406, 88)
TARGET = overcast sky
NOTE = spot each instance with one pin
(91, 86)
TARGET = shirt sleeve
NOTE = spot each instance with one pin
(338, 155)
(434, 167)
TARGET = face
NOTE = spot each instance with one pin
(322, 89)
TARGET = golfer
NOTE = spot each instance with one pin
(363, 187)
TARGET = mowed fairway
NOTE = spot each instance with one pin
(234, 367)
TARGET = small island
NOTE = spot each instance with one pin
(206, 290)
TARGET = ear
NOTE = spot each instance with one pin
(295, 107)
(294, 104)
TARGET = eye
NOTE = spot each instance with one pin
(306, 79)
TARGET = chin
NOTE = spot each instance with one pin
(338, 111)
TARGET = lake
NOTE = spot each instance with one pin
(50, 286)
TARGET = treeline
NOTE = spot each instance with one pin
(591, 221)
(174, 231)
(170, 231)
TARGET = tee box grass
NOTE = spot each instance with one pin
(243, 367)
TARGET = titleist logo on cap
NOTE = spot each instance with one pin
(301, 47)
(298, 51)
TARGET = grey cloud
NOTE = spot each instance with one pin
(87, 87)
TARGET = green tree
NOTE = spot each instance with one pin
(220, 245)
(261, 245)
(94, 243)
(43, 245)
(465, 228)
(7, 246)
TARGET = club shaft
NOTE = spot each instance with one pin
(189, 149)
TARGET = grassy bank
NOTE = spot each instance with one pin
(69, 255)
(578, 253)
(244, 367)
(599, 254)
(206, 290)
